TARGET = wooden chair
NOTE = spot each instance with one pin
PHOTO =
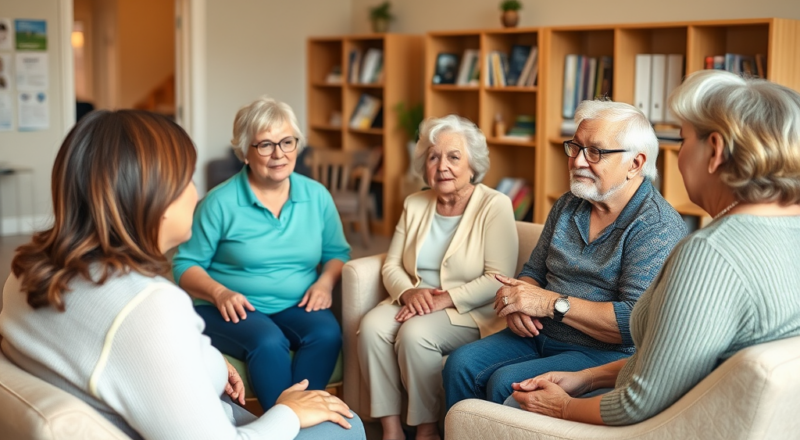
(347, 175)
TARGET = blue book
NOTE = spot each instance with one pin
(516, 63)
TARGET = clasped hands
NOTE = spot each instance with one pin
(422, 301)
(233, 305)
(550, 393)
(522, 303)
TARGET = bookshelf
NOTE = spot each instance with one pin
(401, 82)
(775, 39)
(482, 103)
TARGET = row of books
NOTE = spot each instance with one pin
(368, 70)
(519, 68)
(521, 194)
(656, 76)
(368, 113)
(523, 129)
(747, 65)
(585, 78)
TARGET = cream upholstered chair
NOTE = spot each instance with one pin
(32, 409)
(362, 290)
(753, 395)
(348, 175)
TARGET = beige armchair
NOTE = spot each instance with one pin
(753, 395)
(362, 289)
(32, 409)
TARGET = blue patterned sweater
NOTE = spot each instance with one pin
(618, 266)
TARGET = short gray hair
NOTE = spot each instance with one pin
(635, 133)
(263, 114)
(474, 141)
(759, 122)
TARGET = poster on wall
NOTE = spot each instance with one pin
(5, 72)
(32, 71)
(31, 34)
(6, 34)
(6, 112)
(33, 110)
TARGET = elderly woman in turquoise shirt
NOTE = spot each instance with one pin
(252, 262)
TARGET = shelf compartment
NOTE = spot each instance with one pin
(719, 39)
(447, 42)
(507, 106)
(633, 41)
(323, 54)
(511, 161)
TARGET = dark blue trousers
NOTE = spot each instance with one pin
(264, 341)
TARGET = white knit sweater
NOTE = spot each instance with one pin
(133, 349)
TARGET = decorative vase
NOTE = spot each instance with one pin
(380, 25)
(510, 19)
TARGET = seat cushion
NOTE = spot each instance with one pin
(32, 409)
(241, 367)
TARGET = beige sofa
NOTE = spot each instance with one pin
(362, 289)
(753, 395)
(32, 409)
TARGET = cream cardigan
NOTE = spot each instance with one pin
(485, 244)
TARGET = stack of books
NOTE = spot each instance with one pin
(521, 195)
(368, 113)
(745, 65)
(366, 71)
(585, 78)
(518, 68)
(523, 129)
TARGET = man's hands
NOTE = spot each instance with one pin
(422, 302)
(523, 325)
(315, 407)
(516, 296)
(318, 297)
(232, 304)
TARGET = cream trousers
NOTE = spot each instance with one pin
(390, 352)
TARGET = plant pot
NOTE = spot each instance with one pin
(380, 25)
(510, 19)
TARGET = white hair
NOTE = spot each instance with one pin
(635, 133)
(474, 141)
(263, 114)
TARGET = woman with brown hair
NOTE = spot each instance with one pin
(87, 310)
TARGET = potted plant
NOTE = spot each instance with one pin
(510, 9)
(409, 118)
(380, 16)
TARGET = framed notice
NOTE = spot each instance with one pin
(31, 34)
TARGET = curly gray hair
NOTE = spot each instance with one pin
(474, 141)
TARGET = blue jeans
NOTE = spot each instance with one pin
(485, 369)
(264, 341)
(324, 430)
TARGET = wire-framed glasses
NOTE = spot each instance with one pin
(266, 148)
(592, 154)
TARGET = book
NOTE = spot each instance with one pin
(353, 66)
(641, 89)
(524, 127)
(373, 60)
(446, 68)
(672, 81)
(658, 72)
(591, 82)
(517, 59)
(365, 112)
(522, 203)
(570, 73)
(761, 70)
(580, 80)
(468, 64)
(604, 77)
(505, 185)
(531, 69)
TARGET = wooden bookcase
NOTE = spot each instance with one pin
(543, 162)
(481, 103)
(776, 39)
(402, 82)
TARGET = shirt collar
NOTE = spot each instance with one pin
(625, 217)
(298, 192)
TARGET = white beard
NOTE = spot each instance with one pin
(590, 191)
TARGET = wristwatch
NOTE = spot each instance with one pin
(560, 308)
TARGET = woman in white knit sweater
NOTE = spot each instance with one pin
(728, 286)
(87, 310)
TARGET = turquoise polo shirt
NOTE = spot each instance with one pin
(272, 261)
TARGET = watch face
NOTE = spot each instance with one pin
(562, 305)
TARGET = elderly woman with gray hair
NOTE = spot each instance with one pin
(450, 243)
(252, 262)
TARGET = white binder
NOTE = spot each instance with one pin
(657, 87)
(674, 78)
(641, 90)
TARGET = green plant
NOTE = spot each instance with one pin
(409, 118)
(510, 5)
(381, 12)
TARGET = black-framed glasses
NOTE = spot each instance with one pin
(266, 148)
(592, 154)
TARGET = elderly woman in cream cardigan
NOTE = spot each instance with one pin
(450, 243)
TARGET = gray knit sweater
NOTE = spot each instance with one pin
(728, 286)
(133, 349)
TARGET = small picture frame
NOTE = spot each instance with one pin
(446, 68)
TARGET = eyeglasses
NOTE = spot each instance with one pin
(592, 154)
(266, 148)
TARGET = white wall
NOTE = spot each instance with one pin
(37, 150)
(420, 16)
(256, 47)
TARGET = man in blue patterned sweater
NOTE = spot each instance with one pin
(602, 245)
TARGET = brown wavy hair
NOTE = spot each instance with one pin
(114, 177)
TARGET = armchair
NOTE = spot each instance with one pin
(362, 290)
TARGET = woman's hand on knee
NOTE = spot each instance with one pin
(318, 297)
(315, 407)
(232, 305)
